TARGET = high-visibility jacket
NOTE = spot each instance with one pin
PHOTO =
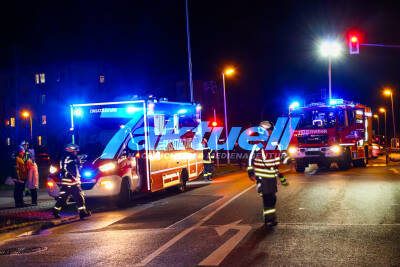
(70, 167)
(22, 170)
(207, 155)
(263, 164)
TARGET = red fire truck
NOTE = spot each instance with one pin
(125, 150)
(340, 132)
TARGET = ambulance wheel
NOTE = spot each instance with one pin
(125, 195)
(184, 179)
(300, 166)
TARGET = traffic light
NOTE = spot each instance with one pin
(354, 44)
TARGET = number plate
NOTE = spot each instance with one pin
(313, 149)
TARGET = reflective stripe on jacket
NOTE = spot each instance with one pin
(262, 163)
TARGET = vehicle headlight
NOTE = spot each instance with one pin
(50, 184)
(53, 169)
(375, 147)
(107, 184)
(107, 167)
(336, 149)
(292, 150)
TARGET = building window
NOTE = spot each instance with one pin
(42, 78)
(43, 99)
(44, 120)
(12, 122)
(101, 78)
(39, 139)
(8, 141)
(37, 81)
(7, 123)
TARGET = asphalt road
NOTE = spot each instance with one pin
(332, 218)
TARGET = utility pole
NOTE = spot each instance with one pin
(189, 53)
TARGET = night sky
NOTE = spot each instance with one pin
(272, 45)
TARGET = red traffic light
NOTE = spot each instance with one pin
(214, 124)
(354, 45)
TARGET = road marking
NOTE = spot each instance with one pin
(215, 258)
(171, 242)
(377, 165)
(394, 170)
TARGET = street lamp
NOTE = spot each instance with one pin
(228, 72)
(330, 49)
(376, 116)
(26, 115)
(389, 92)
(383, 110)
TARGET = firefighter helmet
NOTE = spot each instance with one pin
(266, 125)
(72, 148)
(24, 142)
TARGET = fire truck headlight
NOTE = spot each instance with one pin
(53, 169)
(107, 184)
(336, 149)
(292, 150)
(107, 167)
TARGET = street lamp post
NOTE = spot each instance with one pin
(389, 92)
(383, 110)
(376, 116)
(26, 114)
(226, 72)
(330, 49)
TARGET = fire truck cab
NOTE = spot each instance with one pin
(340, 132)
(126, 150)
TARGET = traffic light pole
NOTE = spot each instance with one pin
(216, 141)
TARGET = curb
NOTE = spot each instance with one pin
(36, 227)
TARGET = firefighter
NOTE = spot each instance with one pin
(263, 168)
(208, 156)
(70, 183)
(19, 182)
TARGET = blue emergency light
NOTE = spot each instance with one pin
(336, 102)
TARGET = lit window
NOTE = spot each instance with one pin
(37, 78)
(43, 99)
(8, 141)
(42, 78)
(101, 78)
(12, 122)
(44, 120)
(39, 139)
(7, 122)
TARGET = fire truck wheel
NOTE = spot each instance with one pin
(345, 162)
(184, 178)
(360, 163)
(125, 194)
(300, 166)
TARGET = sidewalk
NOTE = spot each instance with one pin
(11, 217)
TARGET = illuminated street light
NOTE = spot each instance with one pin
(389, 92)
(383, 110)
(330, 49)
(376, 116)
(228, 72)
(27, 114)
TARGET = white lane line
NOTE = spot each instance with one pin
(171, 242)
(394, 170)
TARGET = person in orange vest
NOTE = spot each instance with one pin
(263, 168)
(19, 182)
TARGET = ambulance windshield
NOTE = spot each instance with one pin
(316, 118)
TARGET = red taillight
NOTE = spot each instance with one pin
(50, 184)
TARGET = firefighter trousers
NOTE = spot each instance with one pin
(268, 188)
(73, 191)
(208, 169)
